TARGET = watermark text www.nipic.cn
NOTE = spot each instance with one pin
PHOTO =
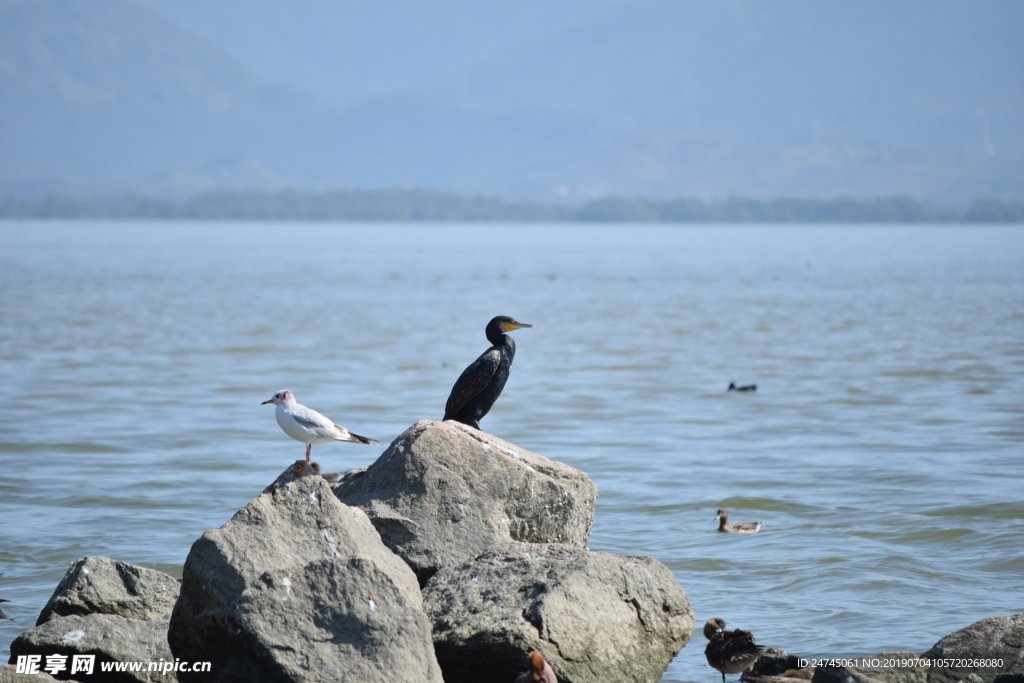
(86, 664)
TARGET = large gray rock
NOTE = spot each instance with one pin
(100, 585)
(994, 638)
(110, 637)
(299, 587)
(594, 616)
(443, 492)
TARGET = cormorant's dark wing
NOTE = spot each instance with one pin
(472, 381)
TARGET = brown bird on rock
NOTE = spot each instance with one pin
(731, 652)
(539, 670)
(744, 528)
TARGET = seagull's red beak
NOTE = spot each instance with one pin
(269, 400)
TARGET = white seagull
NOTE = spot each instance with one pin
(308, 426)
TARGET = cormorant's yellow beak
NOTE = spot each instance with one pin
(516, 325)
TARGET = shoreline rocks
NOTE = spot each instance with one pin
(594, 616)
(454, 555)
(990, 638)
(443, 492)
(101, 585)
(110, 637)
(299, 587)
(312, 582)
(114, 610)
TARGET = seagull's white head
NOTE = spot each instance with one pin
(283, 397)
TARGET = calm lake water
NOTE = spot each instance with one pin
(884, 447)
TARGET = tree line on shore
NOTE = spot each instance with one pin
(432, 205)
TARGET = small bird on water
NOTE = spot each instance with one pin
(308, 426)
(742, 528)
(731, 652)
(539, 670)
(479, 385)
(745, 387)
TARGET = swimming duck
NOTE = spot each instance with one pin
(730, 652)
(745, 387)
(744, 528)
(540, 671)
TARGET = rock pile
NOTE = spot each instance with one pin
(313, 583)
(114, 610)
(498, 538)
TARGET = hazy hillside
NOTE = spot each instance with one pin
(348, 50)
(937, 75)
(106, 94)
(664, 98)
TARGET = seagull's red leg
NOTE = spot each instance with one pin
(302, 465)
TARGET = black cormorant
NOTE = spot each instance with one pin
(747, 387)
(479, 385)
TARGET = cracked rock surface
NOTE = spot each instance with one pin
(111, 609)
(443, 492)
(992, 638)
(594, 616)
(110, 637)
(299, 587)
(101, 585)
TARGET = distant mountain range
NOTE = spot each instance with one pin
(435, 206)
(565, 101)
